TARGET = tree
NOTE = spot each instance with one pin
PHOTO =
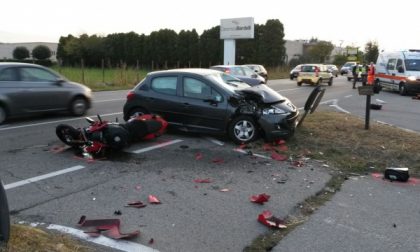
(371, 51)
(320, 51)
(339, 60)
(271, 48)
(41, 52)
(20, 53)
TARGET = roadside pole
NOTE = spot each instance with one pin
(368, 91)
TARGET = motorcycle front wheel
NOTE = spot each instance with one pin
(69, 135)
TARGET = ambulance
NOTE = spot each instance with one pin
(399, 71)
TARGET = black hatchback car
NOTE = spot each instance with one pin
(210, 101)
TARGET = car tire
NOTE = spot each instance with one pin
(403, 89)
(299, 84)
(3, 114)
(78, 106)
(348, 79)
(330, 82)
(243, 129)
(319, 82)
(4, 217)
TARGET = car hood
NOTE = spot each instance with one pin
(263, 93)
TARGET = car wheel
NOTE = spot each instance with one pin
(78, 106)
(299, 84)
(243, 129)
(319, 82)
(330, 82)
(3, 114)
(403, 89)
(348, 79)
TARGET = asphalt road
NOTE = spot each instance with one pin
(192, 216)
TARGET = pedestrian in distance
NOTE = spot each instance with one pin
(371, 74)
(364, 73)
(355, 72)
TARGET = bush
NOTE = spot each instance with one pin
(20, 53)
(41, 52)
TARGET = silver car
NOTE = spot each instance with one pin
(27, 89)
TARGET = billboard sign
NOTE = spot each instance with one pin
(237, 28)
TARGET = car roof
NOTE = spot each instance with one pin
(7, 64)
(199, 71)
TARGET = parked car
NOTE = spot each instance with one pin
(295, 71)
(314, 74)
(259, 69)
(27, 89)
(333, 69)
(243, 73)
(210, 101)
(348, 66)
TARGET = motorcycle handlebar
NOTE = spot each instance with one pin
(99, 118)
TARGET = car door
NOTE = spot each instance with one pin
(41, 91)
(390, 68)
(203, 107)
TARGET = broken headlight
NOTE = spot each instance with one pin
(273, 111)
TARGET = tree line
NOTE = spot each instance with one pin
(166, 48)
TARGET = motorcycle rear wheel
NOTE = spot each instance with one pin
(69, 135)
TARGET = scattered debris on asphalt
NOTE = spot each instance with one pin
(107, 227)
(151, 241)
(117, 212)
(153, 200)
(278, 157)
(218, 161)
(184, 147)
(267, 218)
(397, 174)
(224, 190)
(198, 156)
(136, 204)
(207, 180)
(260, 198)
(417, 97)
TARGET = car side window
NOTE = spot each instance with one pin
(165, 85)
(391, 64)
(399, 63)
(195, 88)
(36, 75)
(9, 74)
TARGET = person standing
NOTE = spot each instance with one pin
(355, 72)
(364, 73)
(371, 74)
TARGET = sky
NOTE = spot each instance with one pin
(392, 24)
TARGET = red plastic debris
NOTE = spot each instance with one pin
(58, 149)
(278, 157)
(242, 146)
(260, 199)
(106, 227)
(280, 142)
(218, 161)
(282, 148)
(298, 163)
(153, 199)
(198, 156)
(267, 147)
(136, 204)
(207, 180)
(267, 218)
(151, 241)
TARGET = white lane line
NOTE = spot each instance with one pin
(102, 240)
(348, 96)
(282, 90)
(42, 177)
(253, 154)
(156, 146)
(110, 100)
(215, 141)
(53, 122)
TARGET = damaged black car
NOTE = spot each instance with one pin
(212, 102)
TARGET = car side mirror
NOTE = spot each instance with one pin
(256, 70)
(254, 75)
(59, 82)
(401, 69)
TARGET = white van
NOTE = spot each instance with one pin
(399, 71)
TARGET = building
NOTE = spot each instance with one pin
(6, 49)
(297, 48)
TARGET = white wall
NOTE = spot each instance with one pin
(6, 49)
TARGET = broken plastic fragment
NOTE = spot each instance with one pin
(198, 156)
(117, 212)
(260, 199)
(207, 180)
(280, 142)
(107, 227)
(218, 161)
(151, 241)
(267, 218)
(153, 199)
(282, 148)
(136, 204)
(224, 190)
(278, 157)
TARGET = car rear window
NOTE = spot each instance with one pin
(165, 85)
(308, 68)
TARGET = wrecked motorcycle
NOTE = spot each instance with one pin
(101, 135)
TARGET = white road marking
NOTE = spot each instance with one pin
(282, 90)
(215, 141)
(348, 96)
(253, 154)
(42, 177)
(53, 122)
(156, 146)
(102, 240)
(110, 100)
(335, 105)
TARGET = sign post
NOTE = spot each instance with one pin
(232, 29)
(368, 91)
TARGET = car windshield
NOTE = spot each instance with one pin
(228, 81)
(412, 64)
(349, 64)
(248, 71)
(308, 68)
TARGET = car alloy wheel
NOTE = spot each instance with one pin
(78, 106)
(243, 130)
